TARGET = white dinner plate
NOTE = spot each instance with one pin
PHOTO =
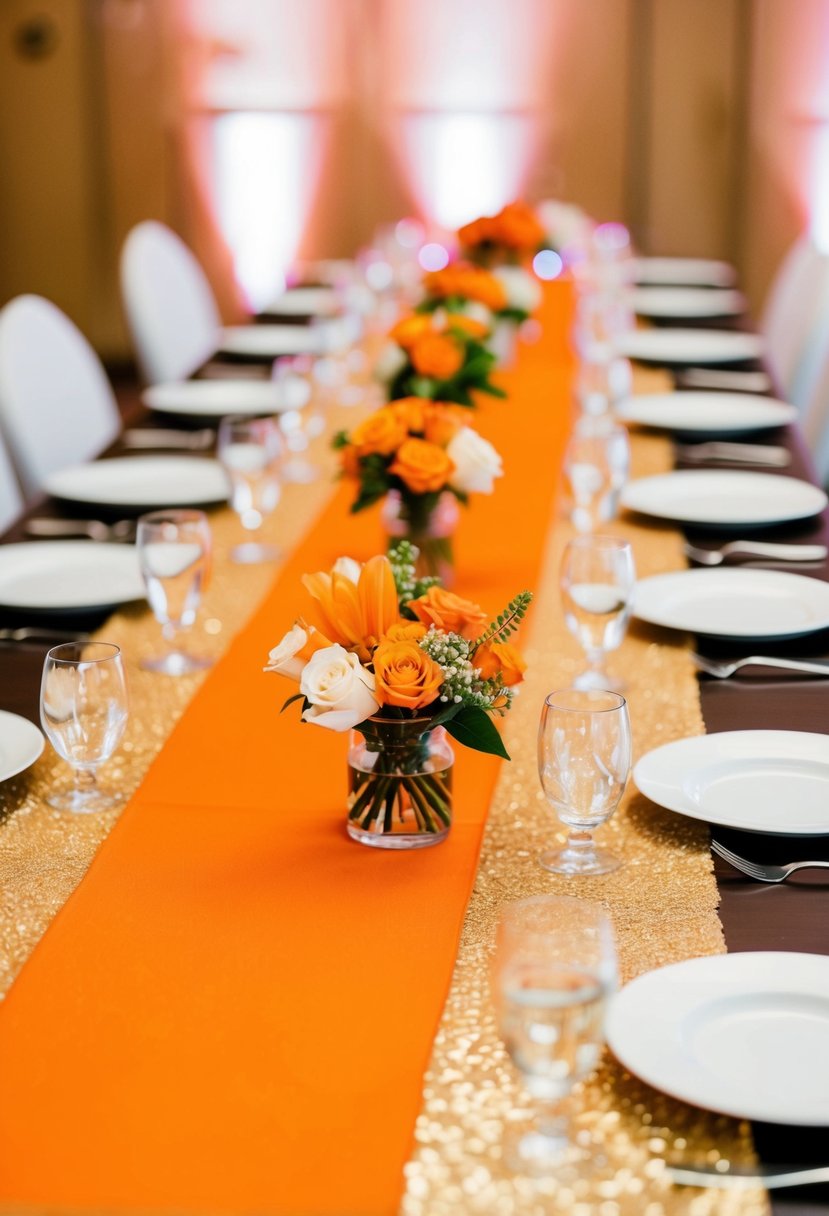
(757, 780)
(681, 303)
(306, 302)
(204, 398)
(685, 347)
(706, 413)
(722, 498)
(271, 341)
(68, 575)
(685, 272)
(142, 481)
(20, 744)
(744, 1034)
(735, 603)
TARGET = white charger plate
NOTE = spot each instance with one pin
(773, 781)
(743, 1034)
(68, 575)
(723, 498)
(142, 481)
(749, 605)
(217, 398)
(306, 302)
(680, 303)
(271, 341)
(685, 272)
(706, 413)
(686, 347)
(20, 744)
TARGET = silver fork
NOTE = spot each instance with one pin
(764, 873)
(95, 529)
(756, 548)
(160, 437)
(723, 670)
(735, 453)
(737, 1177)
(33, 632)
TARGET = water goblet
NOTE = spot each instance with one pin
(301, 422)
(597, 579)
(554, 968)
(83, 711)
(596, 464)
(584, 751)
(250, 449)
(174, 555)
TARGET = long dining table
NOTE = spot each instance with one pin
(215, 1002)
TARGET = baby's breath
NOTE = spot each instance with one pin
(462, 683)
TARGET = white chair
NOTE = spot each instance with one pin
(170, 307)
(11, 500)
(56, 405)
(791, 323)
(815, 421)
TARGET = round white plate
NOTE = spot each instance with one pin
(743, 1034)
(706, 413)
(722, 498)
(685, 272)
(270, 341)
(750, 605)
(142, 481)
(757, 780)
(220, 397)
(68, 575)
(306, 302)
(679, 303)
(689, 346)
(20, 744)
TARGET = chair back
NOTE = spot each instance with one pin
(11, 500)
(56, 404)
(169, 305)
(790, 322)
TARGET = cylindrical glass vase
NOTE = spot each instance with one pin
(399, 784)
(429, 522)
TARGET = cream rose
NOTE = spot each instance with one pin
(339, 688)
(348, 568)
(284, 658)
(390, 362)
(522, 289)
(476, 462)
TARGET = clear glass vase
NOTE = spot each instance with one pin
(399, 784)
(429, 522)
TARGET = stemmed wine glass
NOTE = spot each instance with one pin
(250, 449)
(596, 464)
(584, 752)
(174, 555)
(83, 710)
(554, 968)
(301, 420)
(597, 580)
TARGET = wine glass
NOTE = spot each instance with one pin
(597, 580)
(301, 421)
(83, 710)
(250, 449)
(584, 751)
(554, 968)
(174, 555)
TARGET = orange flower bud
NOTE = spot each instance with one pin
(500, 660)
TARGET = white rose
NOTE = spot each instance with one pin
(348, 568)
(523, 290)
(339, 688)
(390, 362)
(477, 311)
(476, 462)
(282, 658)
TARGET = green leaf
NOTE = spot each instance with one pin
(298, 696)
(474, 728)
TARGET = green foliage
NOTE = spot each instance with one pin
(374, 482)
(474, 728)
(507, 622)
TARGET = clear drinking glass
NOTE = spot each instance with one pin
(554, 968)
(174, 553)
(584, 751)
(596, 466)
(597, 579)
(83, 710)
(301, 422)
(250, 450)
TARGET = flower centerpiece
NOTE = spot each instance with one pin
(440, 355)
(403, 662)
(423, 459)
(502, 298)
(512, 236)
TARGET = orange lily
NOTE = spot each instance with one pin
(357, 615)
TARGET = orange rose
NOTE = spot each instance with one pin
(469, 326)
(436, 355)
(500, 660)
(448, 611)
(405, 631)
(409, 411)
(518, 227)
(350, 459)
(405, 676)
(442, 422)
(381, 432)
(411, 328)
(423, 467)
(477, 232)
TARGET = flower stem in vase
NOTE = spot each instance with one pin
(428, 521)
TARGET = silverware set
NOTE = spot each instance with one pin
(718, 451)
(763, 871)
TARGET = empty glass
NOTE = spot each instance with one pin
(554, 968)
(584, 751)
(596, 466)
(597, 579)
(174, 553)
(83, 710)
(301, 422)
(250, 450)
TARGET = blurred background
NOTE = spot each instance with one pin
(271, 131)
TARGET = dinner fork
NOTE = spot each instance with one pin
(35, 633)
(756, 548)
(734, 453)
(723, 670)
(95, 529)
(764, 872)
(767, 1176)
(157, 437)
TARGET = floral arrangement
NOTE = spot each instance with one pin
(398, 657)
(511, 236)
(440, 355)
(507, 293)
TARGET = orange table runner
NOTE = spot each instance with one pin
(234, 1011)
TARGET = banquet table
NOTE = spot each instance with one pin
(148, 1037)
